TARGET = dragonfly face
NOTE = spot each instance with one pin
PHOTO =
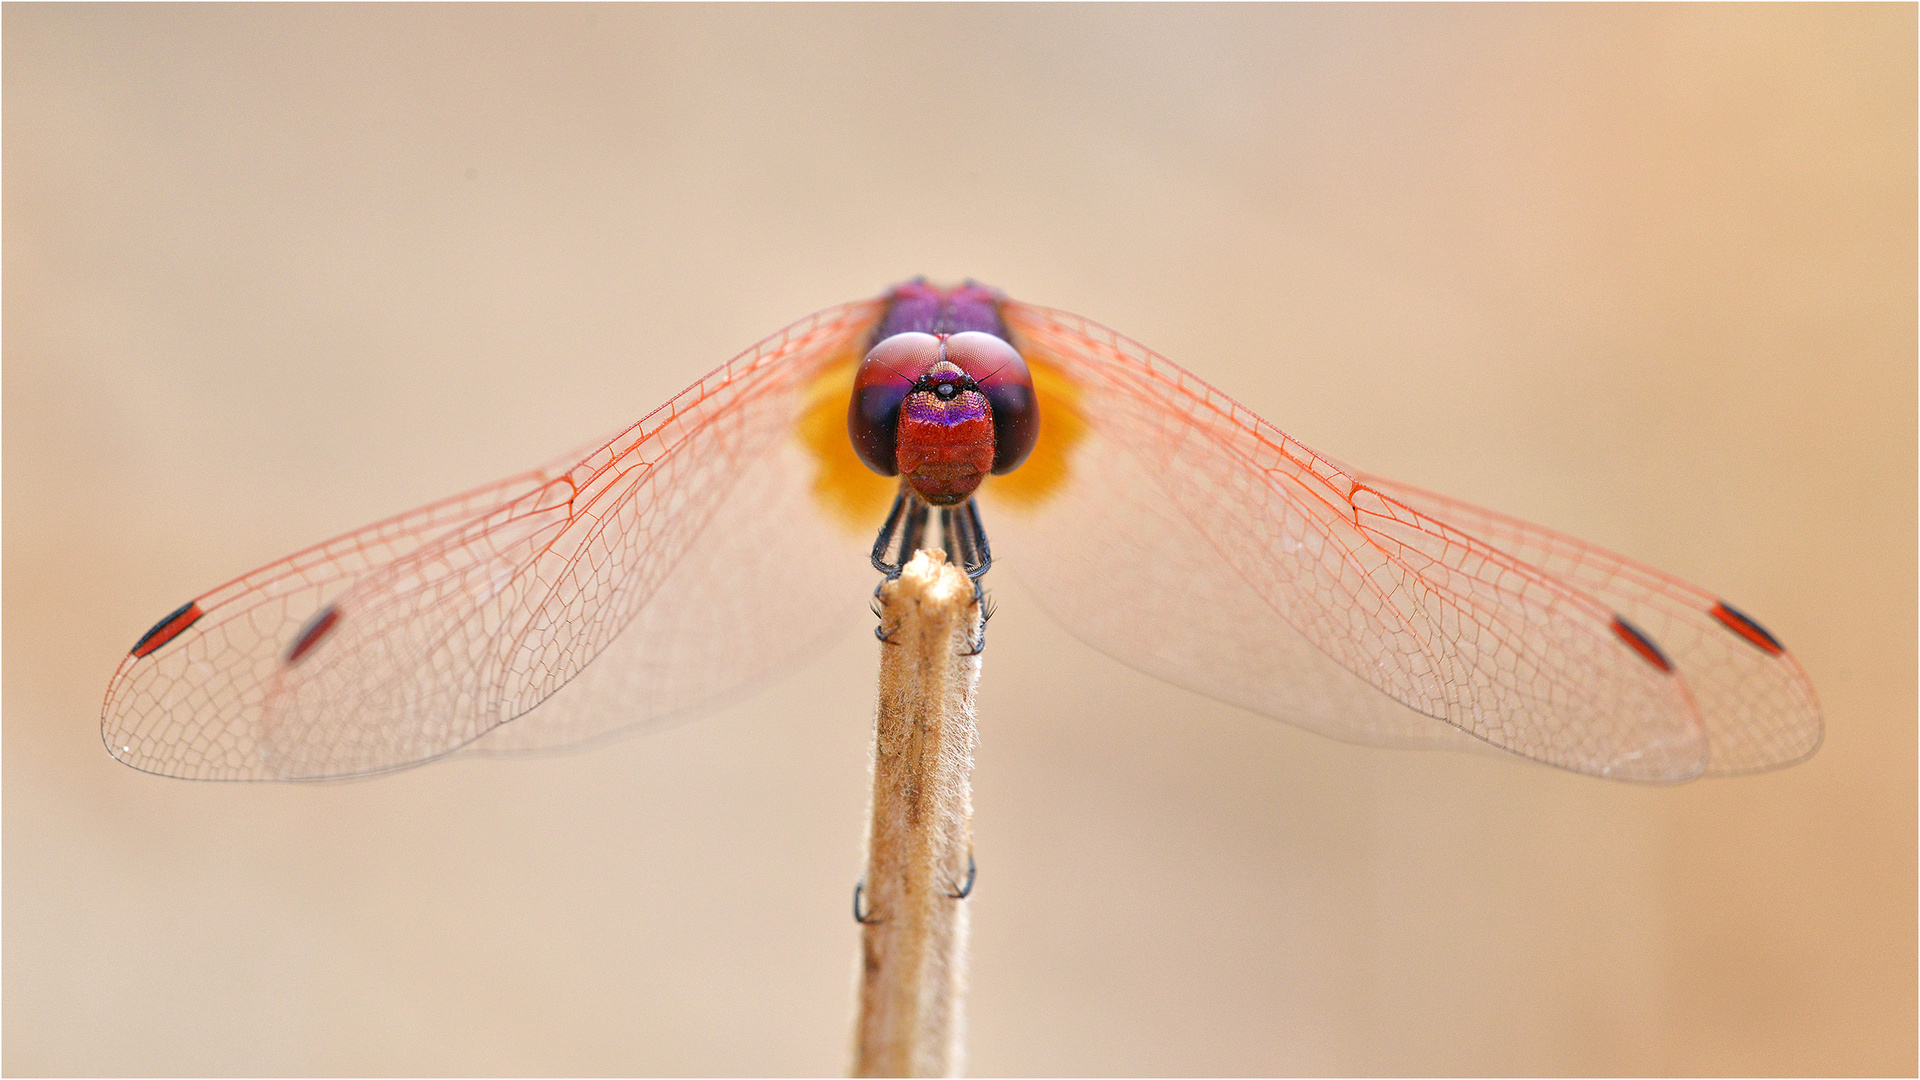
(943, 409)
(1151, 515)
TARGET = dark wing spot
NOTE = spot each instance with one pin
(1641, 644)
(1754, 633)
(317, 627)
(168, 628)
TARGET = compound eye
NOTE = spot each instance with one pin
(884, 380)
(1002, 376)
(907, 355)
(980, 354)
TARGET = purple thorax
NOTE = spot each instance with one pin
(929, 309)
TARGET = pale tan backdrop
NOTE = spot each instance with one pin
(1645, 274)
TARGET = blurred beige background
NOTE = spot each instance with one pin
(1643, 274)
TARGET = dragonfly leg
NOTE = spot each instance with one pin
(959, 538)
(949, 543)
(962, 537)
(979, 557)
(878, 606)
(976, 558)
(908, 521)
(979, 643)
(914, 533)
(884, 541)
(972, 870)
(864, 918)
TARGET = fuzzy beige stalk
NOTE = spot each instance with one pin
(914, 943)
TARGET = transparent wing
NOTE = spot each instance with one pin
(691, 545)
(1187, 537)
(1757, 705)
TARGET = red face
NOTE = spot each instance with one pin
(943, 410)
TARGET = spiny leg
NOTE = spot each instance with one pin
(962, 536)
(884, 541)
(976, 559)
(915, 532)
(881, 545)
(965, 890)
(982, 559)
(949, 542)
(955, 537)
(908, 520)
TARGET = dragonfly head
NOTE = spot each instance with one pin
(943, 410)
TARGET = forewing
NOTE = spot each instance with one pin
(1758, 708)
(417, 636)
(1189, 538)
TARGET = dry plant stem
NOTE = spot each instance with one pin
(913, 947)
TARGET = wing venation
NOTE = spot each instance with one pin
(443, 624)
(1330, 599)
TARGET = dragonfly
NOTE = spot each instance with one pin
(716, 544)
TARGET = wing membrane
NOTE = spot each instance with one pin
(697, 552)
(1326, 602)
(1758, 707)
(454, 619)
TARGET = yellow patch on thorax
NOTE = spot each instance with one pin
(857, 497)
(848, 491)
(1062, 425)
